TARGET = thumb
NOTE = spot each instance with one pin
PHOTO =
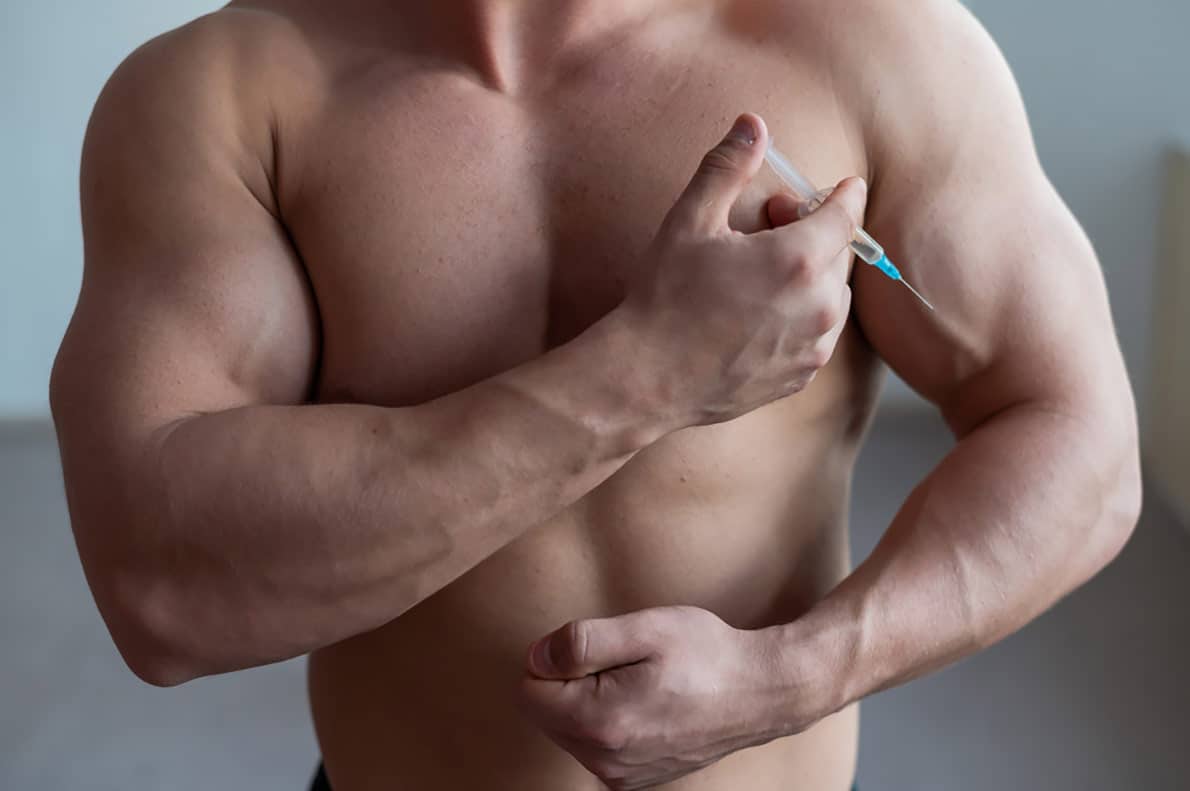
(721, 177)
(582, 648)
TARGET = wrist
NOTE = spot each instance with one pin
(808, 668)
(602, 381)
(639, 372)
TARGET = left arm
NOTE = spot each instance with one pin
(1043, 487)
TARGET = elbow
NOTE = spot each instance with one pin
(1124, 506)
(155, 672)
(152, 632)
(1121, 500)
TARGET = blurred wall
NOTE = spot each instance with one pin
(1105, 84)
(1168, 430)
(55, 56)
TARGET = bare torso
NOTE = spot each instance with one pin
(450, 231)
(361, 341)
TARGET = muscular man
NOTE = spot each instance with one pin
(408, 338)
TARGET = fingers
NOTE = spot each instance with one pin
(783, 209)
(820, 237)
(721, 177)
(581, 648)
(571, 713)
(593, 710)
(825, 347)
(813, 254)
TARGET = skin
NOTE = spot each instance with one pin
(407, 339)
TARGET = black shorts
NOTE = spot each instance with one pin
(320, 783)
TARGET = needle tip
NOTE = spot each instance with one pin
(917, 294)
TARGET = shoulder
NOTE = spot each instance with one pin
(912, 29)
(202, 94)
(890, 61)
(232, 53)
(922, 80)
(923, 76)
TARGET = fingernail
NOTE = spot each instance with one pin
(744, 131)
(863, 184)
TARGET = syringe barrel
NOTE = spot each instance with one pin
(864, 245)
(797, 183)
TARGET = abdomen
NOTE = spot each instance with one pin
(746, 519)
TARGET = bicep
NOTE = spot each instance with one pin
(965, 210)
(192, 299)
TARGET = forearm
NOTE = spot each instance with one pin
(266, 532)
(1022, 511)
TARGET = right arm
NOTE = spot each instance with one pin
(222, 521)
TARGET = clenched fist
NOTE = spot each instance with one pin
(645, 698)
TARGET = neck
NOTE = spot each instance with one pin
(505, 41)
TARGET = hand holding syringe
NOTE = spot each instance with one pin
(863, 245)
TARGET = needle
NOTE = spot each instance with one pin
(863, 245)
(917, 294)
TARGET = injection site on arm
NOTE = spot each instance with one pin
(863, 245)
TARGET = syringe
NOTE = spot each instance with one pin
(863, 245)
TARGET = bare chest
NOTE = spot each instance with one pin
(451, 232)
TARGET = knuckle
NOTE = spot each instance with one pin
(857, 197)
(799, 384)
(572, 648)
(609, 732)
(797, 267)
(820, 354)
(722, 158)
(803, 379)
(824, 319)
